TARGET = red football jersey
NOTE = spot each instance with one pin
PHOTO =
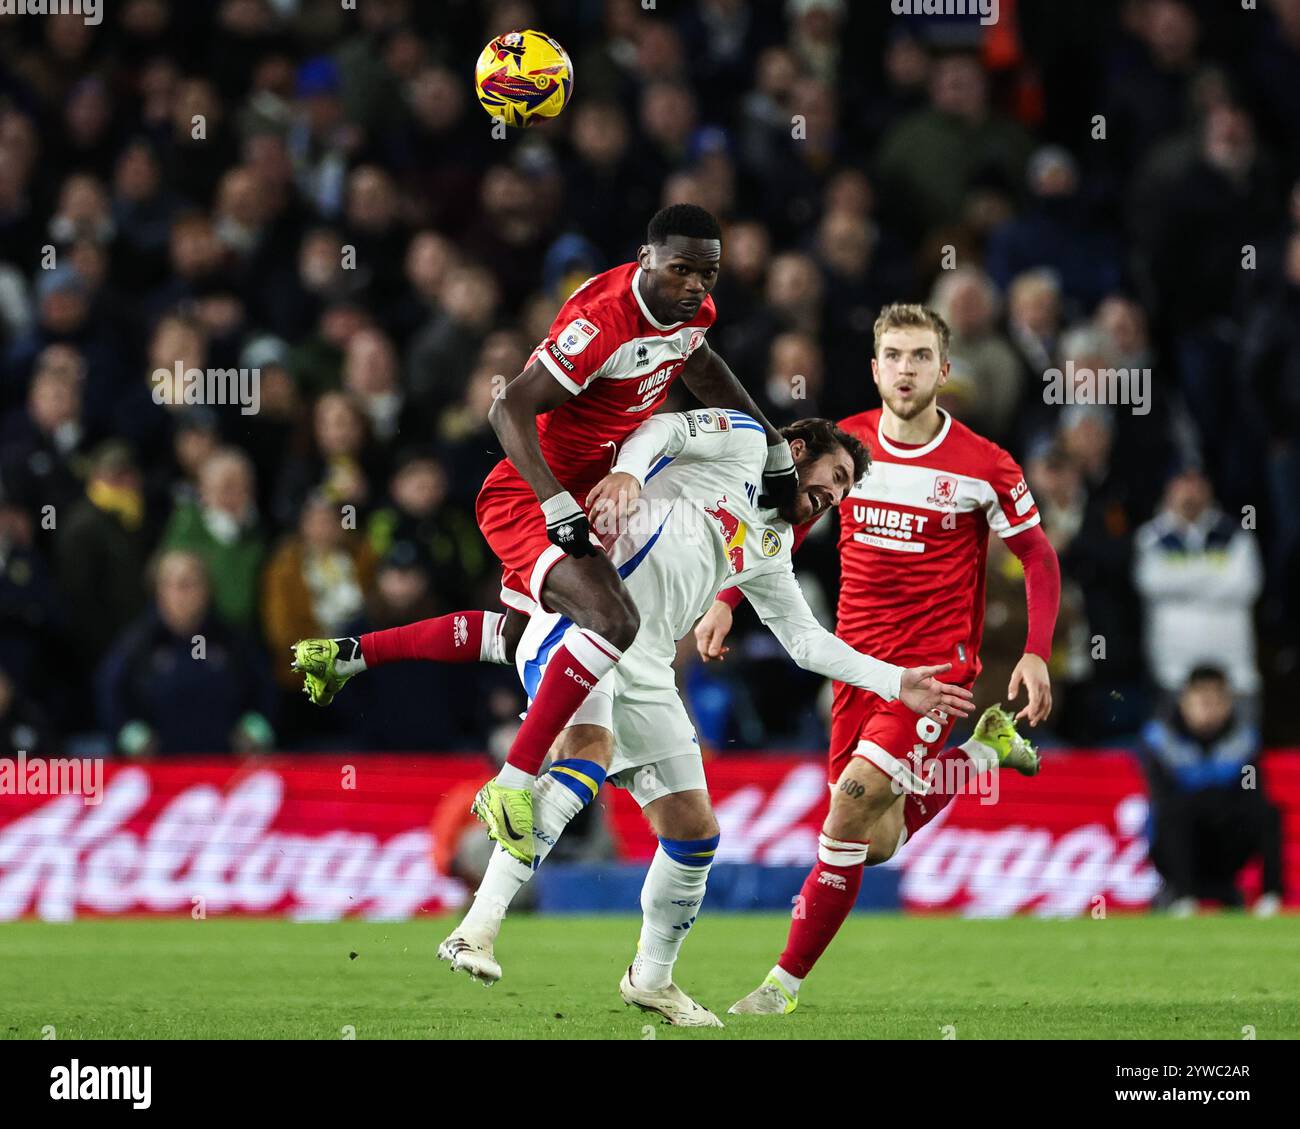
(619, 362)
(914, 536)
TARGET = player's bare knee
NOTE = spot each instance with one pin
(860, 797)
(682, 815)
(584, 742)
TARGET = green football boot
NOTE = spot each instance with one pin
(508, 814)
(317, 661)
(997, 729)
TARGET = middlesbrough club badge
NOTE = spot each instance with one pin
(945, 492)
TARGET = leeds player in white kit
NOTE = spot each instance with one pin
(684, 493)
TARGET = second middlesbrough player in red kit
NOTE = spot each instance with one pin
(606, 365)
(913, 542)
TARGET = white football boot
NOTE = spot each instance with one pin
(471, 955)
(671, 1002)
(769, 998)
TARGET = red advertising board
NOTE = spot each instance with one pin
(319, 838)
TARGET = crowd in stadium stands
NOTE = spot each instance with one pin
(313, 193)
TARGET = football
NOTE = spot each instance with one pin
(522, 76)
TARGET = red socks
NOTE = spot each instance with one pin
(946, 778)
(454, 638)
(832, 887)
(581, 660)
(827, 896)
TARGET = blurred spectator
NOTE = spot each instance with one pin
(1199, 575)
(442, 353)
(1099, 560)
(142, 211)
(604, 169)
(222, 530)
(1056, 232)
(1208, 810)
(467, 439)
(987, 380)
(429, 259)
(794, 379)
(100, 550)
(314, 584)
(931, 158)
(371, 376)
(32, 616)
(1271, 376)
(180, 680)
(342, 465)
(43, 445)
(420, 514)
(408, 706)
(1034, 318)
(320, 138)
(24, 728)
(373, 228)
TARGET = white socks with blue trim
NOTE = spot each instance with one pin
(670, 900)
(558, 796)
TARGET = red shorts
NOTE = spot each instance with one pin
(888, 734)
(511, 519)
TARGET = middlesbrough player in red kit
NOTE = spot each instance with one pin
(606, 365)
(913, 543)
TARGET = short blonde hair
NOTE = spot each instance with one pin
(912, 315)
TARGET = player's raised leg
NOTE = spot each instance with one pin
(572, 780)
(994, 744)
(599, 620)
(671, 899)
(459, 637)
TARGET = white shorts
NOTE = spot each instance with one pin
(656, 750)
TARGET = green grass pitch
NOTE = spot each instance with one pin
(884, 977)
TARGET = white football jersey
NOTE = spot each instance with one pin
(696, 529)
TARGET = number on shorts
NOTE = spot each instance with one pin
(928, 729)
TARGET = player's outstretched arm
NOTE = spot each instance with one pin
(513, 417)
(712, 382)
(781, 605)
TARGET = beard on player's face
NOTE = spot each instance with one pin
(905, 396)
(814, 496)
